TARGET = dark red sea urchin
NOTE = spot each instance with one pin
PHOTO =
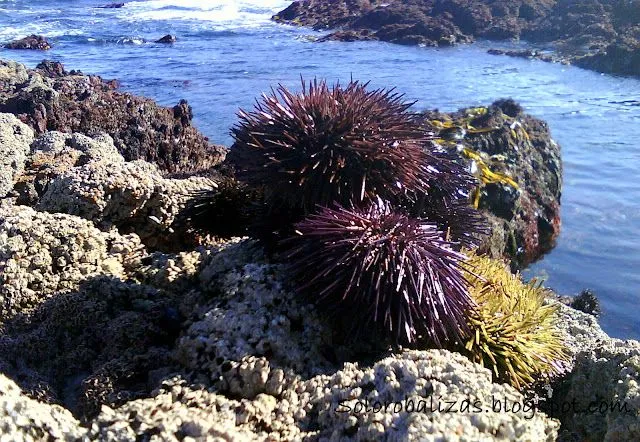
(383, 270)
(327, 145)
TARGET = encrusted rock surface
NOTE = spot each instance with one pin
(596, 34)
(600, 398)
(15, 141)
(133, 196)
(50, 99)
(24, 419)
(44, 254)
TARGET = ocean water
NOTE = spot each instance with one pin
(228, 53)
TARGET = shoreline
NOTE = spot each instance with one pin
(201, 338)
(601, 36)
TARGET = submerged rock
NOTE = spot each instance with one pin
(33, 42)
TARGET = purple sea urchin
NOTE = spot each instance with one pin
(383, 269)
(327, 145)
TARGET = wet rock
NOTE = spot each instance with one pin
(111, 6)
(616, 58)
(530, 54)
(140, 128)
(15, 141)
(33, 42)
(525, 221)
(167, 39)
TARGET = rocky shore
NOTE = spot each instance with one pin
(602, 35)
(115, 325)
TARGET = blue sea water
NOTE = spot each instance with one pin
(228, 53)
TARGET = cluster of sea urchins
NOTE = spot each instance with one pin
(379, 212)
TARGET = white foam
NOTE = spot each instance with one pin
(50, 29)
(221, 14)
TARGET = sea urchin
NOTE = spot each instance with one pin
(382, 270)
(514, 333)
(331, 145)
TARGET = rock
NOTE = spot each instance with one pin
(54, 153)
(525, 221)
(250, 337)
(111, 6)
(15, 141)
(530, 54)
(28, 420)
(616, 58)
(100, 344)
(167, 39)
(46, 254)
(33, 42)
(332, 407)
(605, 377)
(53, 69)
(179, 412)
(132, 196)
(595, 34)
(140, 128)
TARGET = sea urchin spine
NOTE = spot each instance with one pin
(382, 269)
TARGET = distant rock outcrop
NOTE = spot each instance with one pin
(596, 34)
(33, 42)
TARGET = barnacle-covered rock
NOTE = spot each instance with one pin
(15, 139)
(132, 196)
(605, 375)
(403, 397)
(425, 395)
(54, 153)
(43, 254)
(254, 333)
(28, 420)
(50, 98)
(177, 412)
